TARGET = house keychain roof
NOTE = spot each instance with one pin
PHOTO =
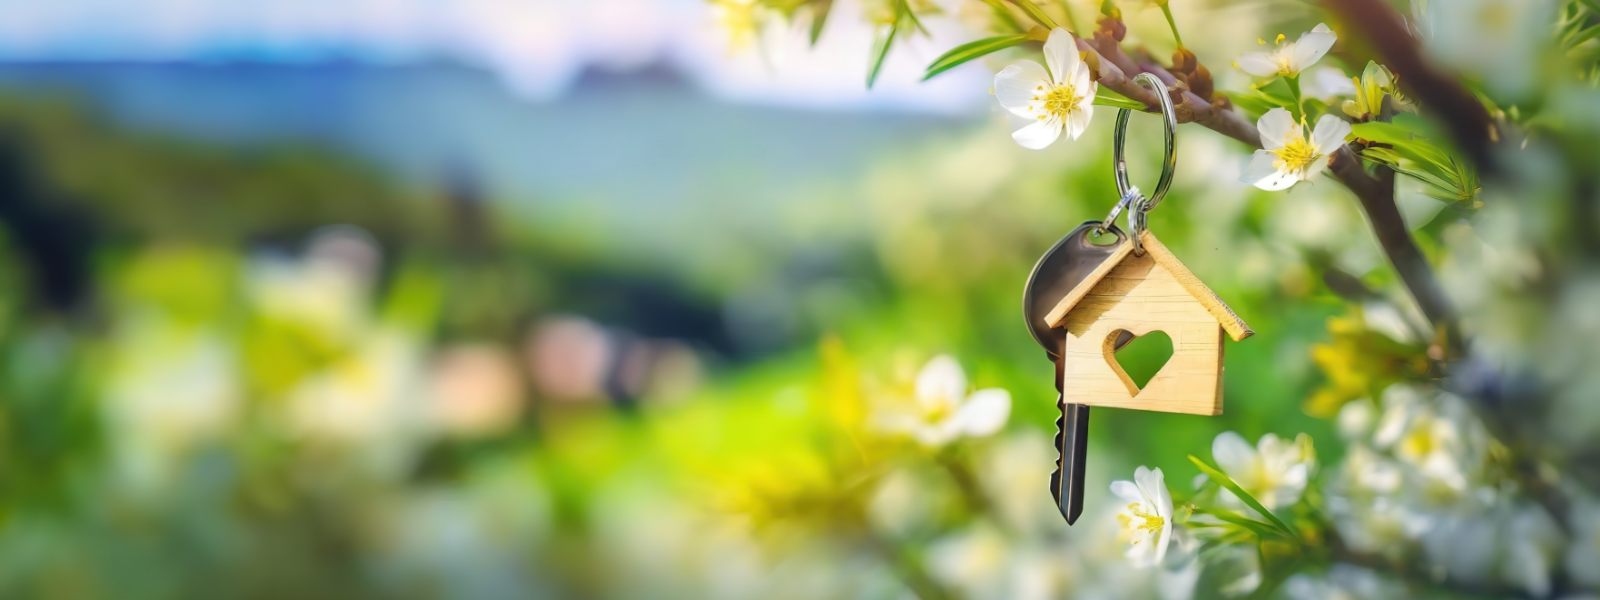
(1142, 294)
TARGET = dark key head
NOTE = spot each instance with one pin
(1060, 270)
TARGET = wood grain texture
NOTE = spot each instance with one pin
(1219, 311)
(1072, 298)
(1140, 295)
(1235, 326)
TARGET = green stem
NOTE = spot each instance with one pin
(1294, 90)
(1166, 9)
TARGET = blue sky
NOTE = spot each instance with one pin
(535, 47)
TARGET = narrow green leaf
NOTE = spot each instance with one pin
(1107, 97)
(1254, 105)
(1260, 528)
(1227, 482)
(880, 51)
(819, 18)
(971, 50)
(1004, 16)
(1582, 36)
(1035, 13)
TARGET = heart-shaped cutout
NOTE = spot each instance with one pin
(1137, 361)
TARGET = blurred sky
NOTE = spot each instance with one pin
(537, 47)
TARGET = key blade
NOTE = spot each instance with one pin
(1072, 440)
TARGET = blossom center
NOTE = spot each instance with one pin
(1149, 522)
(1285, 60)
(1296, 155)
(1061, 102)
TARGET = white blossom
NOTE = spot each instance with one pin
(1288, 155)
(1289, 59)
(1274, 472)
(1147, 518)
(1059, 99)
(1439, 439)
(943, 410)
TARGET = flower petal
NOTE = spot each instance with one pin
(1262, 166)
(1039, 135)
(1311, 46)
(1315, 167)
(1084, 85)
(1166, 538)
(1278, 180)
(984, 413)
(1329, 134)
(1233, 454)
(1061, 54)
(1151, 485)
(1017, 85)
(1127, 491)
(1163, 497)
(1078, 120)
(941, 382)
(1259, 64)
(1277, 127)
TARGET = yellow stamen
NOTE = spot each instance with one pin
(1296, 155)
(1261, 41)
(1062, 101)
(1152, 522)
(1280, 38)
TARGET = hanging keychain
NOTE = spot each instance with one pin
(1083, 302)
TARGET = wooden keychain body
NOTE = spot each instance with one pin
(1142, 294)
(1084, 302)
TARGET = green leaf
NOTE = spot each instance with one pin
(1035, 13)
(1447, 173)
(883, 41)
(1227, 482)
(971, 50)
(1003, 15)
(819, 18)
(1253, 104)
(1279, 91)
(1262, 529)
(1107, 97)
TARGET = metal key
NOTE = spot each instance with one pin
(1060, 270)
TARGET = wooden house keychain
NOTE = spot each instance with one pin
(1084, 302)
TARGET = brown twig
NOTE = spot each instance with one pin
(1114, 68)
(1376, 194)
(1468, 121)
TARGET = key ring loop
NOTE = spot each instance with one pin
(1134, 202)
(1119, 141)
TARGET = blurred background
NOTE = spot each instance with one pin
(553, 299)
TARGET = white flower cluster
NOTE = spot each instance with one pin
(1419, 477)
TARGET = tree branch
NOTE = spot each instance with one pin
(1376, 194)
(1377, 200)
(1116, 71)
(1468, 121)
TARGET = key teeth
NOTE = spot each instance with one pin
(1055, 476)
